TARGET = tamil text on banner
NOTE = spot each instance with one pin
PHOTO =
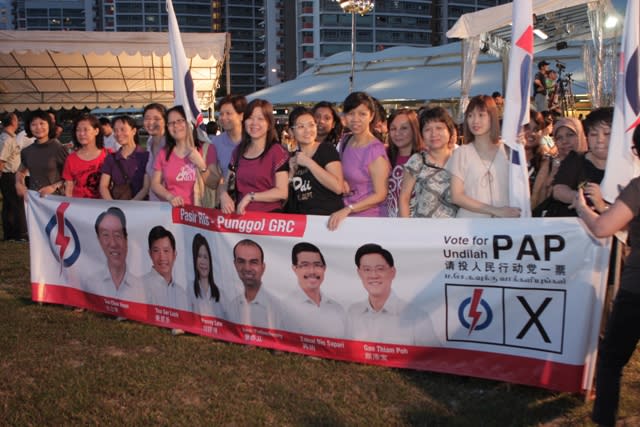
(516, 300)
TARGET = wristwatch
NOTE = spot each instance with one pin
(252, 196)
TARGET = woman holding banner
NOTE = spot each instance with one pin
(315, 170)
(480, 168)
(43, 160)
(425, 172)
(623, 327)
(126, 167)
(260, 165)
(405, 139)
(176, 176)
(364, 161)
(81, 170)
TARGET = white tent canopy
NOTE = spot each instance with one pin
(404, 74)
(64, 69)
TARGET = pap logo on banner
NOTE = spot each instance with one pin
(63, 238)
(478, 309)
(474, 314)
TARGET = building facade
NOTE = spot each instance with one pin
(271, 40)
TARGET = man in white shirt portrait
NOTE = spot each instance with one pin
(308, 310)
(161, 288)
(115, 281)
(255, 306)
(383, 316)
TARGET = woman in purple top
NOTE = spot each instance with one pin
(364, 161)
(261, 165)
(130, 159)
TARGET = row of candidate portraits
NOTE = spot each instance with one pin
(380, 317)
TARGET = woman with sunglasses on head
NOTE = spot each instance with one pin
(315, 170)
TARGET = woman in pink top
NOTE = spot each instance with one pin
(81, 172)
(178, 163)
(364, 161)
(261, 165)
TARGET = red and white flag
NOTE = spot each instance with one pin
(622, 165)
(516, 113)
(183, 87)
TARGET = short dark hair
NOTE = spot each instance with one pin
(105, 121)
(117, 212)
(238, 102)
(355, 99)
(42, 115)
(297, 112)
(603, 115)
(248, 242)
(132, 124)
(373, 248)
(155, 106)
(440, 114)
(305, 247)
(496, 94)
(8, 118)
(159, 232)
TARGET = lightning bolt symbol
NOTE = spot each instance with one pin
(473, 309)
(61, 239)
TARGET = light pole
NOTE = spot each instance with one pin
(360, 7)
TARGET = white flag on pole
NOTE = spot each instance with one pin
(516, 102)
(622, 165)
(183, 87)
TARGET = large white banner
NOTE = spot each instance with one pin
(516, 300)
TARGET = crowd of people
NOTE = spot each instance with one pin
(413, 163)
(360, 163)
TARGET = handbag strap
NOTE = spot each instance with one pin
(122, 171)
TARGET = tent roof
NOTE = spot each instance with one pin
(64, 69)
(561, 20)
(405, 74)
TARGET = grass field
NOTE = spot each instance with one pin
(61, 367)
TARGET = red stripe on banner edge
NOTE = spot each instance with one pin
(528, 371)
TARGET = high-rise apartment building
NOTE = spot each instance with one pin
(271, 40)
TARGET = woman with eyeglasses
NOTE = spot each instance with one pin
(623, 327)
(179, 167)
(315, 171)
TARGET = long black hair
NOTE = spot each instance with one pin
(272, 136)
(198, 241)
(335, 133)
